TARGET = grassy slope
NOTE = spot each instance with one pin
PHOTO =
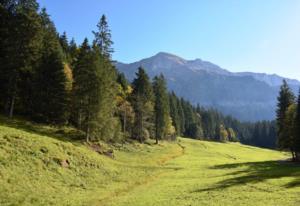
(203, 173)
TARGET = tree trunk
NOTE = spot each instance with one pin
(11, 106)
(293, 155)
(87, 133)
(124, 122)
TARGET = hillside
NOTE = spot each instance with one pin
(39, 166)
(245, 95)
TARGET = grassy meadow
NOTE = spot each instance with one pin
(40, 165)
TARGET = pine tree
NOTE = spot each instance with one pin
(63, 40)
(174, 112)
(297, 130)
(73, 53)
(109, 125)
(81, 83)
(142, 101)
(103, 38)
(20, 49)
(285, 99)
(51, 96)
(181, 116)
(161, 107)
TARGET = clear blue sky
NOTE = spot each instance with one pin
(239, 35)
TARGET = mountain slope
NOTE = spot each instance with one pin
(247, 96)
(186, 172)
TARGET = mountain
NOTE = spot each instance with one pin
(244, 95)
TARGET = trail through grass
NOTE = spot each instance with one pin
(187, 172)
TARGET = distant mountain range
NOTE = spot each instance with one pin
(245, 95)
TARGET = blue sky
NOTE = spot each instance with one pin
(239, 35)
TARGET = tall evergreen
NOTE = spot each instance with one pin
(50, 84)
(174, 112)
(81, 84)
(297, 129)
(73, 53)
(181, 116)
(103, 37)
(109, 125)
(285, 99)
(63, 40)
(19, 51)
(161, 107)
(142, 101)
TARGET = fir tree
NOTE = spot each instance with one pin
(73, 53)
(297, 129)
(20, 49)
(174, 112)
(142, 101)
(161, 107)
(285, 99)
(51, 96)
(103, 38)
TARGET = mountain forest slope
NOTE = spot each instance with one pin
(244, 95)
(39, 165)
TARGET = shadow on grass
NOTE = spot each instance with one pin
(255, 172)
(66, 134)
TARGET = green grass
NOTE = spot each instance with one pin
(187, 172)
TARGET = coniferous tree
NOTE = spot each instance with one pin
(109, 126)
(289, 122)
(285, 99)
(20, 50)
(297, 129)
(161, 107)
(142, 101)
(81, 86)
(181, 116)
(63, 40)
(73, 53)
(174, 112)
(51, 91)
(103, 37)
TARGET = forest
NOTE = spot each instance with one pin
(49, 79)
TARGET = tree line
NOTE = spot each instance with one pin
(288, 121)
(49, 79)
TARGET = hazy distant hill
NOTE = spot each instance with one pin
(245, 95)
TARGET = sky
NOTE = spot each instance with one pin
(238, 35)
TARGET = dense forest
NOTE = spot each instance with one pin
(49, 79)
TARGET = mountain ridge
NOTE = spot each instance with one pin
(247, 96)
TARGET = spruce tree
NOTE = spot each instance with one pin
(50, 91)
(109, 125)
(297, 130)
(285, 99)
(20, 30)
(103, 37)
(142, 101)
(73, 53)
(81, 75)
(161, 107)
(181, 116)
(174, 112)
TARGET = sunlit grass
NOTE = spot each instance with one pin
(186, 172)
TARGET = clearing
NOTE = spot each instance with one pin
(39, 166)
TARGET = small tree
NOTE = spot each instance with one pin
(297, 129)
(223, 134)
(285, 99)
(289, 123)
